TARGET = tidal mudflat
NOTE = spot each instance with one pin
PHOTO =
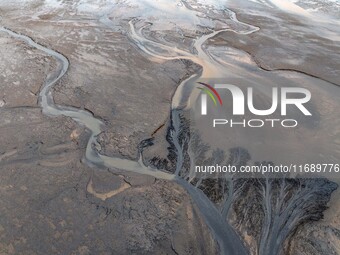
(100, 138)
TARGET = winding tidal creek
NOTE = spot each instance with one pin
(219, 227)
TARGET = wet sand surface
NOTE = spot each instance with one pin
(99, 139)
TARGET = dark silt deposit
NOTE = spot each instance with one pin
(100, 157)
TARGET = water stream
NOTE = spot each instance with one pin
(227, 238)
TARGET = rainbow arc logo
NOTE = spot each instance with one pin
(211, 92)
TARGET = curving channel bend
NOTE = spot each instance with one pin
(229, 242)
(82, 117)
